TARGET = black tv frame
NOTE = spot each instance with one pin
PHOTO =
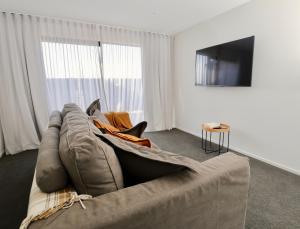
(220, 85)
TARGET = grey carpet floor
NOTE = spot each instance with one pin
(274, 198)
(16, 173)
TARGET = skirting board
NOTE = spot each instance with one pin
(244, 152)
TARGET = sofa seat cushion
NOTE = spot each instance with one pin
(91, 163)
(50, 172)
(70, 107)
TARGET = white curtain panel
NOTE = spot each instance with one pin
(23, 104)
(146, 91)
(157, 76)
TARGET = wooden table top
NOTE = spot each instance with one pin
(223, 129)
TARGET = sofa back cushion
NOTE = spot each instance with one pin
(92, 164)
(51, 175)
(70, 107)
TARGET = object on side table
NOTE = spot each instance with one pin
(221, 129)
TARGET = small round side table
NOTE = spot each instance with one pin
(224, 128)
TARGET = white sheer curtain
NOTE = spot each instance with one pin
(81, 71)
(122, 74)
(73, 73)
(153, 99)
(23, 103)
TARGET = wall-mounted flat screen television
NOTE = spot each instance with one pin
(228, 64)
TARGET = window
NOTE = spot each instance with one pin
(81, 73)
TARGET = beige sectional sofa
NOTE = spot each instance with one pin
(136, 187)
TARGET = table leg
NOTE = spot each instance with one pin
(228, 141)
(223, 136)
(219, 143)
(205, 140)
(202, 146)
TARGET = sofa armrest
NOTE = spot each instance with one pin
(213, 197)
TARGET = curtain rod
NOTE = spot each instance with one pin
(87, 22)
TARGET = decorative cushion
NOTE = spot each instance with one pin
(91, 163)
(50, 172)
(93, 106)
(55, 119)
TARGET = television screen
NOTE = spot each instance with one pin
(228, 64)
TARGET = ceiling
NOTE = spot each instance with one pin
(163, 16)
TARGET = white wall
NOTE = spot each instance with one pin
(265, 118)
